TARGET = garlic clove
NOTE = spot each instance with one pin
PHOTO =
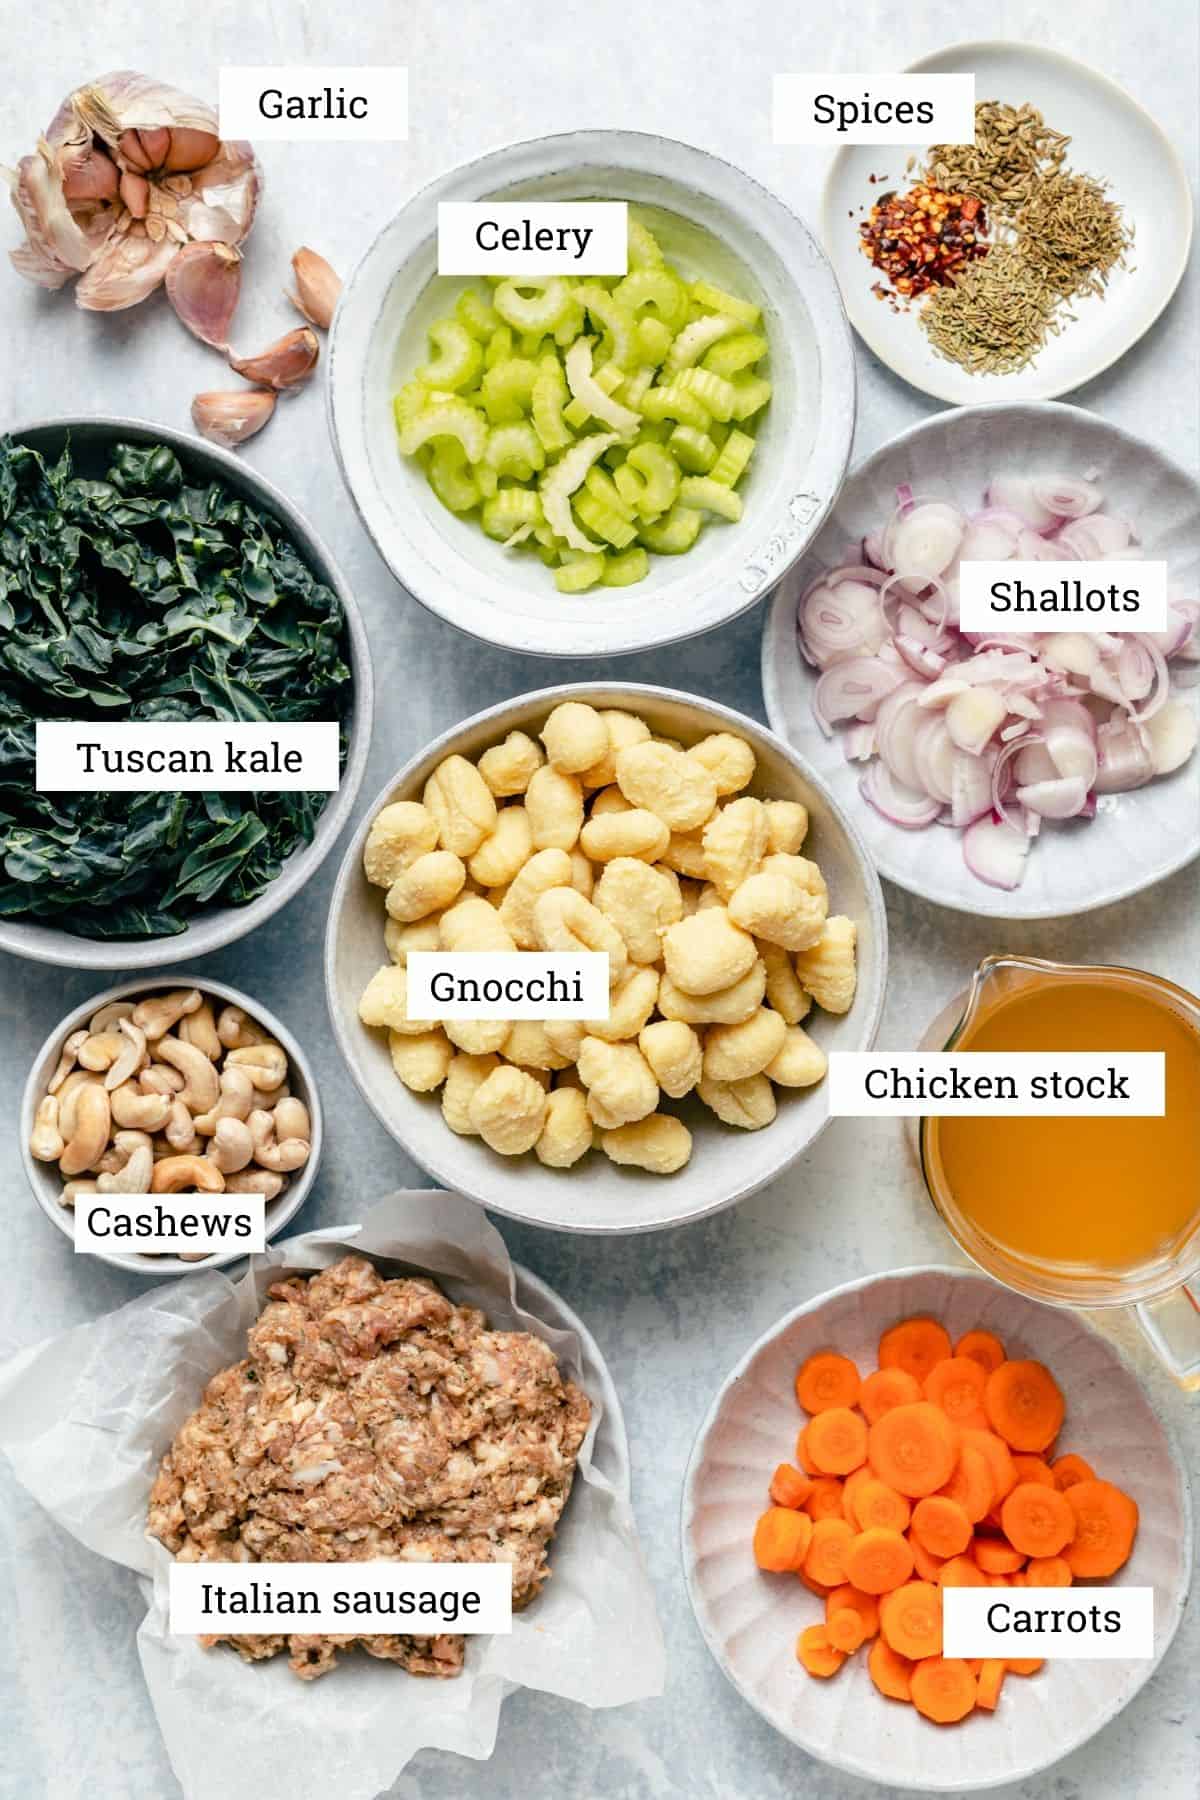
(284, 364)
(317, 288)
(203, 285)
(189, 149)
(89, 178)
(135, 194)
(229, 417)
(129, 267)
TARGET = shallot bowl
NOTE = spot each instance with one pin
(1129, 832)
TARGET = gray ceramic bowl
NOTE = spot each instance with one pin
(217, 926)
(712, 220)
(596, 1196)
(47, 1183)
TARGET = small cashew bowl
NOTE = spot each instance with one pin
(597, 1195)
(184, 1075)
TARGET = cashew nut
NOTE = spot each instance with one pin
(100, 1050)
(134, 1178)
(126, 1142)
(156, 1015)
(278, 1155)
(91, 1118)
(256, 1181)
(180, 1129)
(160, 1078)
(236, 1031)
(131, 1056)
(200, 1028)
(187, 1174)
(110, 1016)
(265, 1063)
(69, 1092)
(291, 1119)
(45, 1140)
(73, 1189)
(67, 1060)
(201, 1087)
(138, 1111)
(235, 1102)
(231, 1146)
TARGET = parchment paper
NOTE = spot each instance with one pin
(86, 1417)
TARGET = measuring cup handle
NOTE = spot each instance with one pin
(1172, 1326)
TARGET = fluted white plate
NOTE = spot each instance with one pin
(1135, 839)
(751, 1620)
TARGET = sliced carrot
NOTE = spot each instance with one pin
(879, 1560)
(1002, 1580)
(825, 1500)
(1024, 1405)
(998, 1457)
(911, 1621)
(1034, 1468)
(887, 1388)
(827, 1380)
(943, 1689)
(941, 1525)
(851, 1487)
(924, 1565)
(846, 1629)
(891, 1673)
(1106, 1522)
(956, 1385)
(789, 1487)
(1024, 1665)
(960, 1571)
(989, 1682)
(1037, 1520)
(983, 1347)
(820, 1588)
(971, 1483)
(818, 1655)
(836, 1441)
(1067, 1470)
(802, 1453)
(975, 1664)
(913, 1448)
(781, 1539)
(826, 1558)
(848, 1597)
(1047, 1571)
(878, 1504)
(915, 1345)
(995, 1558)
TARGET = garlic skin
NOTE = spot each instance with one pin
(204, 281)
(284, 364)
(317, 288)
(129, 171)
(229, 416)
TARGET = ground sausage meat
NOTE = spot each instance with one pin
(373, 1418)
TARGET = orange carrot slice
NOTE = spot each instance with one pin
(998, 1457)
(887, 1388)
(943, 1689)
(1047, 1571)
(957, 1386)
(878, 1560)
(1037, 1520)
(781, 1539)
(789, 1487)
(971, 1483)
(836, 1440)
(1034, 1468)
(911, 1621)
(960, 1571)
(1024, 1405)
(1106, 1522)
(818, 1655)
(825, 1499)
(826, 1557)
(915, 1345)
(1069, 1469)
(878, 1504)
(827, 1380)
(913, 1449)
(989, 1682)
(983, 1347)
(941, 1525)
(891, 1674)
(925, 1566)
(1024, 1665)
(847, 1597)
(995, 1558)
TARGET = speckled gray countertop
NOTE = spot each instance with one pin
(671, 1312)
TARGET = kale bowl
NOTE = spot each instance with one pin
(145, 574)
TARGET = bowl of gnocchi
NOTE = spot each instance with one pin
(739, 910)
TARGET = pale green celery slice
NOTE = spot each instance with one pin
(674, 402)
(616, 319)
(694, 340)
(598, 482)
(571, 326)
(631, 486)
(508, 390)
(752, 395)
(411, 399)
(549, 397)
(710, 496)
(603, 521)
(734, 459)
(450, 476)
(657, 288)
(459, 357)
(635, 387)
(626, 568)
(653, 341)
(518, 537)
(515, 450)
(508, 508)
(693, 450)
(576, 414)
(661, 472)
(644, 252)
(560, 482)
(576, 577)
(543, 310)
(675, 533)
(456, 419)
(586, 389)
(479, 317)
(486, 479)
(714, 299)
(499, 347)
(733, 354)
(717, 396)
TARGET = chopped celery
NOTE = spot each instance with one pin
(508, 390)
(693, 450)
(479, 317)
(499, 347)
(515, 450)
(508, 509)
(548, 398)
(675, 402)
(694, 340)
(653, 341)
(587, 390)
(661, 473)
(752, 395)
(532, 303)
(734, 459)
(603, 521)
(733, 354)
(625, 568)
(710, 496)
(657, 288)
(716, 396)
(584, 572)
(458, 360)
(616, 319)
(713, 299)
(597, 482)
(450, 476)
(644, 252)
(674, 534)
(457, 420)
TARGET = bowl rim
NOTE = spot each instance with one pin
(226, 924)
(688, 1497)
(1120, 95)
(449, 596)
(778, 628)
(499, 715)
(163, 1267)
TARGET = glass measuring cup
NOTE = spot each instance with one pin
(1162, 1288)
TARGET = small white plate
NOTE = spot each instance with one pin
(751, 1620)
(1112, 138)
(1135, 839)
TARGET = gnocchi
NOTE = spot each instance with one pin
(591, 832)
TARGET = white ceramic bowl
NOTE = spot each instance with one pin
(1113, 139)
(597, 1196)
(751, 1620)
(1135, 839)
(216, 926)
(47, 1183)
(712, 220)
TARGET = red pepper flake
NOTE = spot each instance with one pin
(919, 240)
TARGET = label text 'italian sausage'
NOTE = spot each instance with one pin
(908, 1084)
(366, 1598)
(507, 984)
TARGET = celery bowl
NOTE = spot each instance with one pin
(714, 224)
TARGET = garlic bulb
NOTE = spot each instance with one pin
(129, 171)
